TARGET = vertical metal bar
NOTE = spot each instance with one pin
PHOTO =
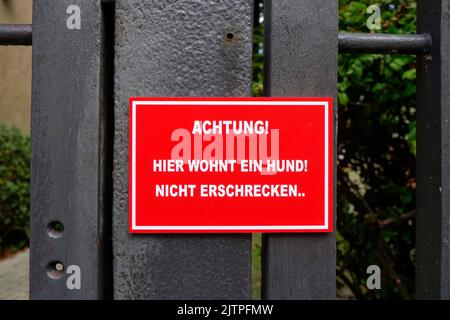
(178, 48)
(301, 60)
(67, 157)
(433, 154)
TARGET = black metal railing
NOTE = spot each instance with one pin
(15, 35)
(21, 35)
(384, 43)
(433, 133)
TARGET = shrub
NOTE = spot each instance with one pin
(14, 189)
(376, 152)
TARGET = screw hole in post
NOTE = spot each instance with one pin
(55, 270)
(55, 229)
(230, 36)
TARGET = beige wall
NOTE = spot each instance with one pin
(15, 69)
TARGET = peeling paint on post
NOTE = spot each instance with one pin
(178, 48)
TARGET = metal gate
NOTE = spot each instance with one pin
(83, 75)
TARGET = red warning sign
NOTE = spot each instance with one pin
(230, 165)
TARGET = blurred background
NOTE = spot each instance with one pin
(376, 155)
(15, 100)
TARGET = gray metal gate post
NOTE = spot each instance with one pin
(433, 154)
(178, 48)
(68, 152)
(301, 60)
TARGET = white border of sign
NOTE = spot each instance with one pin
(136, 102)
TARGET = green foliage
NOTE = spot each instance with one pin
(14, 189)
(258, 53)
(376, 152)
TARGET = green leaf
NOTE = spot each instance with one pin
(409, 75)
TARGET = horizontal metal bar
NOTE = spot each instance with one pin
(21, 35)
(15, 34)
(384, 43)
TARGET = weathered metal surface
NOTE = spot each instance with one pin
(384, 43)
(67, 152)
(301, 60)
(177, 48)
(15, 34)
(433, 154)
